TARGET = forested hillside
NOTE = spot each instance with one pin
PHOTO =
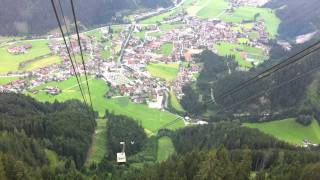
(275, 97)
(298, 17)
(228, 151)
(33, 133)
(37, 17)
(235, 164)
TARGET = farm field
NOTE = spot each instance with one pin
(175, 102)
(99, 145)
(290, 131)
(6, 80)
(248, 13)
(41, 63)
(165, 149)
(169, 27)
(158, 18)
(166, 49)
(105, 54)
(151, 119)
(208, 8)
(10, 62)
(237, 50)
(165, 71)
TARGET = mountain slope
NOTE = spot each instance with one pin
(298, 17)
(37, 17)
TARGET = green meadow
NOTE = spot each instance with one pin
(169, 27)
(166, 49)
(165, 149)
(10, 62)
(151, 119)
(99, 145)
(6, 80)
(289, 130)
(158, 18)
(41, 63)
(247, 14)
(225, 49)
(165, 71)
(175, 102)
(211, 8)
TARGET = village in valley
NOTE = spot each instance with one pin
(139, 69)
(121, 55)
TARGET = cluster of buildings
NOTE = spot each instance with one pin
(254, 3)
(19, 49)
(128, 75)
(307, 143)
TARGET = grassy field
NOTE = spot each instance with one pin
(105, 54)
(41, 63)
(175, 102)
(290, 131)
(165, 149)
(169, 27)
(208, 8)
(53, 158)
(151, 119)
(99, 145)
(158, 18)
(166, 49)
(247, 14)
(10, 62)
(237, 49)
(6, 80)
(140, 34)
(165, 71)
(155, 34)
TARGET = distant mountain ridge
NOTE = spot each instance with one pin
(298, 17)
(37, 17)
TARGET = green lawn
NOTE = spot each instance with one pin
(151, 119)
(165, 149)
(10, 62)
(248, 13)
(6, 80)
(99, 145)
(41, 63)
(140, 34)
(158, 18)
(95, 33)
(236, 49)
(155, 34)
(211, 8)
(289, 130)
(166, 49)
(175, 102)
(165, 71)
(105, 54)
(169, 27)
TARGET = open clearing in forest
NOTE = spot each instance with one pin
(289, 130)
(151, 119)
(99, 144)
(165, 148)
